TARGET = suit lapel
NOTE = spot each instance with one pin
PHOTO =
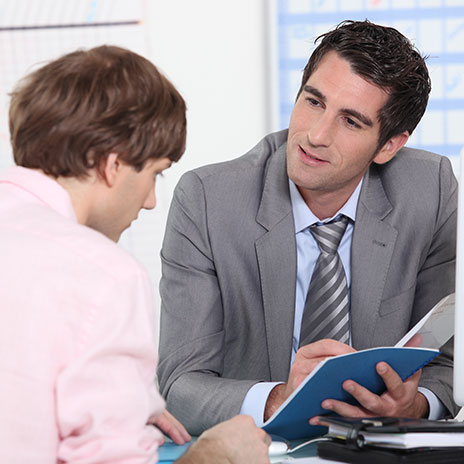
(276, 254)
(371, 252)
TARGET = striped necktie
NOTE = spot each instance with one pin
(326, 309)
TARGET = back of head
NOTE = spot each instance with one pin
(386, 58)
(67, 116)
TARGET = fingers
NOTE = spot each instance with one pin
(370, 404)
(398, 400)
(396, 388)
(171, 427)
(392, 380)
(324, 348)
(308, 357)
(179, 427)
(317, 420)
(414, 341)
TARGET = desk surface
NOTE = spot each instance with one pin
(169, 452)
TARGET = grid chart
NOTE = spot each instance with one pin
(436, 27)
(33, 32)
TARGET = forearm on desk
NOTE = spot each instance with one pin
(201, 400)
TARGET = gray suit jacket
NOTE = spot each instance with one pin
(229, 273)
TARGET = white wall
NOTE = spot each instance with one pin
(214, 51)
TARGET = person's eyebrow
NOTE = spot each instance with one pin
(361, 117)
(315, 92)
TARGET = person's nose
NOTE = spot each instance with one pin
(150, 201)
(322, 130)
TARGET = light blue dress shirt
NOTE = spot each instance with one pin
(308, 251)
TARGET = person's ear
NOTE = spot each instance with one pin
(389, 150)
(110, 169)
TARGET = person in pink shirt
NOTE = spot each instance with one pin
(90, 132)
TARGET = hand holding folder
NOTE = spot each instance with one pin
(290, 421)
(325, 381)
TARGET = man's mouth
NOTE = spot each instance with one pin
(309, 155)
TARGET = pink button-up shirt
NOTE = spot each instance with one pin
(77, 344)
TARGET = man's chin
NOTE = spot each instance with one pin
(300, 180)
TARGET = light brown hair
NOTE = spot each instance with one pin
(69, 115)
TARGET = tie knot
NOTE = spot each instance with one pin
(329, 235)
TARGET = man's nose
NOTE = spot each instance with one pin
(322, 130)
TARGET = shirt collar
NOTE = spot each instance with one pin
(304, 217)
(42, 187)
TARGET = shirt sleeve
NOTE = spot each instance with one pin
(255, 401)
(105, 396)
(436, 409)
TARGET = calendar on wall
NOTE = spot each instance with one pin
(436, 27)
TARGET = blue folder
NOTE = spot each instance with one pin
(290, 421)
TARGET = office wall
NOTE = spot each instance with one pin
(214, 52)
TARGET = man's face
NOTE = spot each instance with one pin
(334, 131)
(132, 191)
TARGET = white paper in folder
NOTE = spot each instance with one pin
(436, 327)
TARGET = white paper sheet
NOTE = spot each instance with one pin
(436, 327)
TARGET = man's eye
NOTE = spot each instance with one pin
(351, 123)
(312, 101)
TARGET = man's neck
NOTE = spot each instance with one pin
(325, 204)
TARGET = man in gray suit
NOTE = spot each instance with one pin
(240, 252)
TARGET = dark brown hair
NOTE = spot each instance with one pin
(69, 115)
(386, 58)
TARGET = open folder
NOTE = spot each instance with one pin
(290, 421)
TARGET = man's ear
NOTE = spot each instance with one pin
(389, 150)
(110, 168)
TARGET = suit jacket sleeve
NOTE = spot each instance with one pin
(192, 321)
(436, 279)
